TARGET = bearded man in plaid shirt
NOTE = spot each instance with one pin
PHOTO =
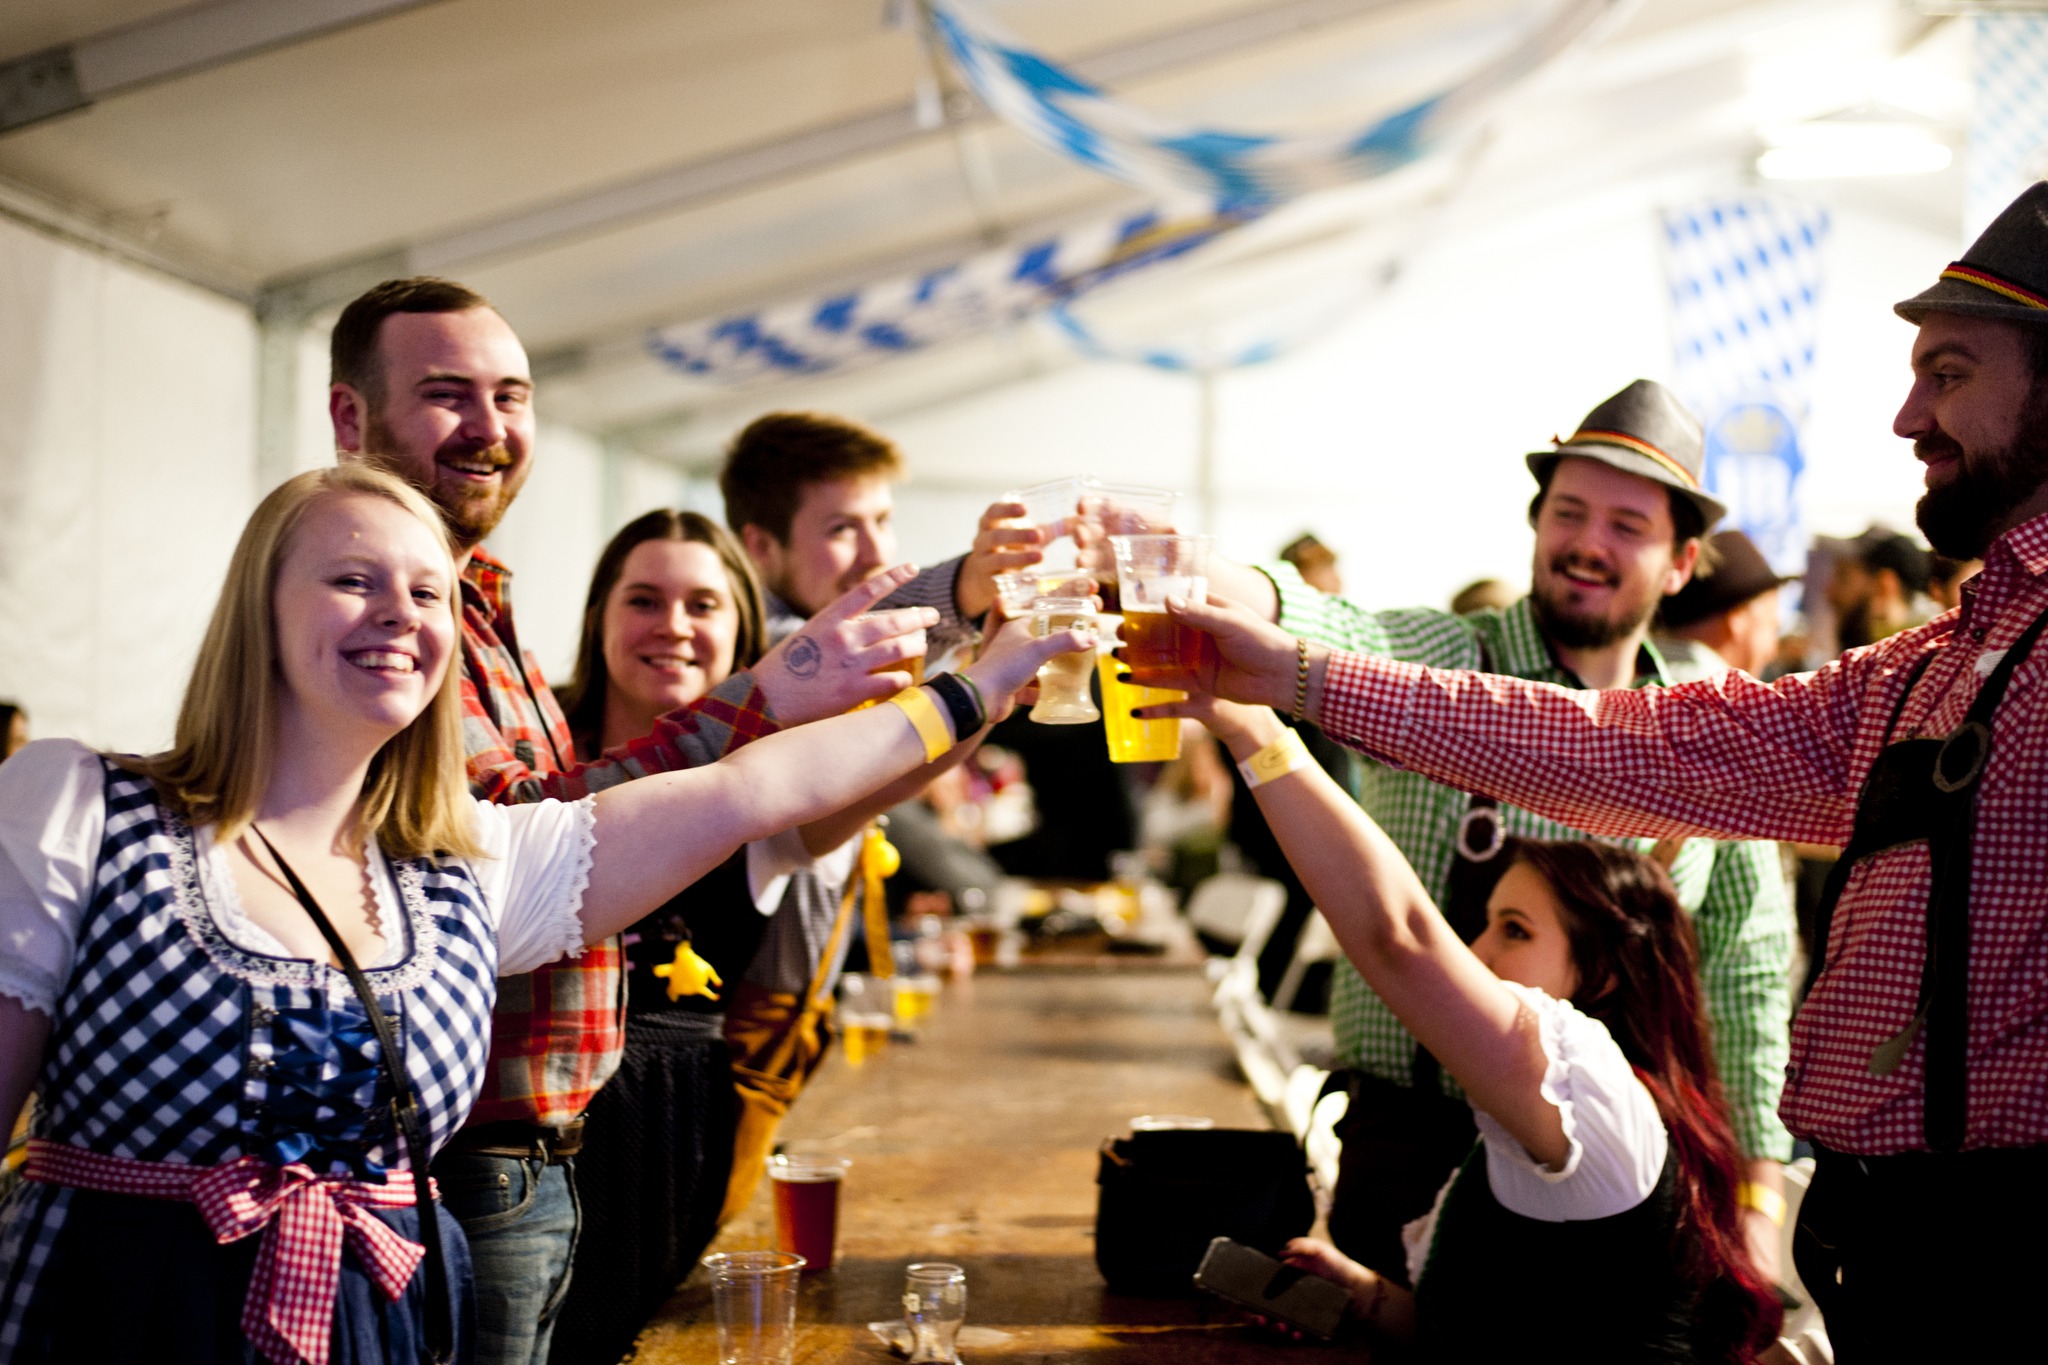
(430, 382)
(1619, 516)
(1919, 1065)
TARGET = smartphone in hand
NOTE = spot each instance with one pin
(1253, 1280)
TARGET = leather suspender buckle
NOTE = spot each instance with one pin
(1481, 834)
(1955, 755)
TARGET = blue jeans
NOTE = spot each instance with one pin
(521, 1218)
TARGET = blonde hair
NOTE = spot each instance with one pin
(415, 797)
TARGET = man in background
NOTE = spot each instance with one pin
(1725, 619)
(1875, 591)
(1314, 561)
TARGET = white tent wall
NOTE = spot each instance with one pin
(127, 436)
(1399, 438)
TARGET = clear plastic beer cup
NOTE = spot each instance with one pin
(1063, 679)
(753, 1294)
(1149, 570)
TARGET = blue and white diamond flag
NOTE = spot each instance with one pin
(1745, 276)
(861, 327)
(1068, 115)
(2009, 124)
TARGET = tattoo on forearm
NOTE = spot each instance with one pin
(804, 658)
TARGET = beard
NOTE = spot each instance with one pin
(1576, 628)
(472, 513)
(1964, 515)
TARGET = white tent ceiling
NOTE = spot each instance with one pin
(599, 167)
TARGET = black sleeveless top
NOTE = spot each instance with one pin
(716, 916)
(1500, 1286)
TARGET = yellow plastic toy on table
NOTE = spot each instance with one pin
(689, 974)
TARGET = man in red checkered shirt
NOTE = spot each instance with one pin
(430, 382)
(1919, 1063)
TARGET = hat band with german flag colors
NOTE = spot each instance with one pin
(1594, 435)
(1984, 279)
(2003, 274)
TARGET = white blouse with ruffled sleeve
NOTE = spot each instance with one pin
(1615, 1139)
(53, 816)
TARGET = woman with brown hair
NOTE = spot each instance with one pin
(235, 1120)
(673, 609)
(1596, 1219)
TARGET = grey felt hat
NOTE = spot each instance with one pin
(2004, 274)
(1643, 430)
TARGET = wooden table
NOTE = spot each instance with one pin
(977, 1144)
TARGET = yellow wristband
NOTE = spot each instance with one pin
(1763, 1199)
(925, 718)
(1284, 755)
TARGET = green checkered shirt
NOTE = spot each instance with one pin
(1741, 908)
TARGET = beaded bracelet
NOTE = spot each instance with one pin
(1301, 679)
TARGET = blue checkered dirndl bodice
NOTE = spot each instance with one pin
(172, 1044)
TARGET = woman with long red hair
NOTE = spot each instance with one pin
(1596, 1219)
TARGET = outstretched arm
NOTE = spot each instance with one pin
(1729, 757)
(1394, 935)
(659, 834)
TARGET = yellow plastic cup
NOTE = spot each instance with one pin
(1132, 740)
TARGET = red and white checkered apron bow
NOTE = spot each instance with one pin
(305, 1219)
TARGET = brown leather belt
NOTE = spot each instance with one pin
(522, 1141)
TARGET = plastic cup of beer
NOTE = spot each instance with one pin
(1018, 589)
(753, 1295)
(915, 998)
(807, 1205)
(934, 1306)
(1149, 570)
(1128, 509)
(1052, 507)
(1063, 679)
(1132, 740)
(867, 1015)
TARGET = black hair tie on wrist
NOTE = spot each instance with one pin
(963, 706)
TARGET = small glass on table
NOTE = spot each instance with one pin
(867, 1014)
(753, 1295)
(934, 1306)
(1063, 679)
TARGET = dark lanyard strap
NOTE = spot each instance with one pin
(440, 1324)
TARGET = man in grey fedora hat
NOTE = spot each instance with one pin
(1919, 1065)
(1619, 516)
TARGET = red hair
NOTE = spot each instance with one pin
(1638, 970)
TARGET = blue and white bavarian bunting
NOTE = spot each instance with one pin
(2009, 123)
(1745, 275)
(1062, 112)
(861, 327)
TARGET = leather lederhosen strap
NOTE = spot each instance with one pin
(1926, 789)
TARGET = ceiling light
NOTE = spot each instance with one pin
(1827, 151)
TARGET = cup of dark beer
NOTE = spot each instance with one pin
(807, 1205)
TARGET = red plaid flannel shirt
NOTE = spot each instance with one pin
(557, 1033)
(1734, 758)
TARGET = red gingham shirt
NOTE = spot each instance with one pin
(1734, 758)
(557, 1033)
